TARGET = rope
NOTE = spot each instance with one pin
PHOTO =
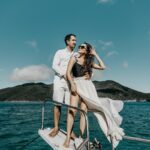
(24, 146)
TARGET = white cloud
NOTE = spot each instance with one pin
(132, 1)
(109, 54)
(32, 43)
(32, 73)
(111, 1)
(125, 64)
(105, 44)
(105, 1)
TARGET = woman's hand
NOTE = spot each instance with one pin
(73, 89)
(93, 52)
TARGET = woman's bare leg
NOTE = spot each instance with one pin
(82, 118)
(70, 119)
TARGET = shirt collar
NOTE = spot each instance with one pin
(69, 51)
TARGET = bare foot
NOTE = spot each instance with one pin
(66, 143)
(54, 132)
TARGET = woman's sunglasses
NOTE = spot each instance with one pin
(81, 47)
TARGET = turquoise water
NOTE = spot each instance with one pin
(20, 121)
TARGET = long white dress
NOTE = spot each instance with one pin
(108, 116)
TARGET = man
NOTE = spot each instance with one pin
(61, 92)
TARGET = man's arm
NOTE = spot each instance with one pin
(56, 65)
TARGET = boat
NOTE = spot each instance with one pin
(79, 144)
(57, 141)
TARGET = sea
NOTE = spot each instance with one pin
(20, 121)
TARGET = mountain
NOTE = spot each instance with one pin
(28, 91)
(115, 90)
(41, 91)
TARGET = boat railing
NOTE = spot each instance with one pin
(85, 141)
(125, 136)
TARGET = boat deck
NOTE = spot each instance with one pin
(57, 141)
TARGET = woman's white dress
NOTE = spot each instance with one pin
(108, 116)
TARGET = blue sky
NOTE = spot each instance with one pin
(32, 30)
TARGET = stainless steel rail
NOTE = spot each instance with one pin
(125, 136)
(85, 141)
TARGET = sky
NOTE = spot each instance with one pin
(31, 31)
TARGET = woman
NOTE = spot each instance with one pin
(84, 90)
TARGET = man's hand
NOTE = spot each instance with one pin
(65, 77)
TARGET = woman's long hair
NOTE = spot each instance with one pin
(89, 59)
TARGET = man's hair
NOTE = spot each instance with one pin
(68, 36)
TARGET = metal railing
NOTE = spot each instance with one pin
(125, 136)
(85, 141)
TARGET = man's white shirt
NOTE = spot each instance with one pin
(60, 62)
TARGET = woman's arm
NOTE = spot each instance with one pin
(100, 64)
(69, 77)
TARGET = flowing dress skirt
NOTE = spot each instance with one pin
(107, 110)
